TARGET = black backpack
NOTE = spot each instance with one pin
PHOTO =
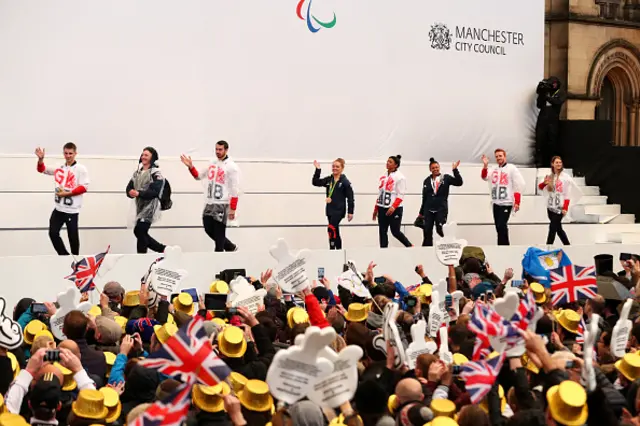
(165, 196)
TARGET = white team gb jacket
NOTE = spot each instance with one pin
(504, 182)
(223, 181)
(391, 187)
(68, 178)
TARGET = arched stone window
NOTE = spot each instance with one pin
(615, 79)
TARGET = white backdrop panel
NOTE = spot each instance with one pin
(40, 277)
(115, 76)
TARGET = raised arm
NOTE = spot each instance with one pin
(485, 168)
(317, 180)
(456, 180)
(197, 175)
(41, 166)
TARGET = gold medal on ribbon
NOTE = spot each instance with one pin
(328, 200)
(332, 186)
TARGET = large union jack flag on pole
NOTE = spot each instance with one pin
(189, 354)
(572, 282)
(86, 270)
(480, 376)
(171, 411)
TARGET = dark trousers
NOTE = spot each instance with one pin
(217, 231)
(437, 218)
(501, 216)
(333, 229)
(555, 227)
(146, 241)
(394, 222)
(56, 221)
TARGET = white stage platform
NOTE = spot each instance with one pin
(279, 201)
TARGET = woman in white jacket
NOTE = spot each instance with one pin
(557, 187)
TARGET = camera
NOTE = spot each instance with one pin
(457, 369)
(52, 355)
(232, 311)
(410, 301)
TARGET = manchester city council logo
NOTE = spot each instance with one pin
(440, 37)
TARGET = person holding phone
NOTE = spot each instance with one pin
(72, 180)
(435, 193)
(221, 193)
(507, 185)
(340, 200)
(392, 187)
(557, 187)
(145, 187)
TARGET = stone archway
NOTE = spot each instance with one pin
(616, 67)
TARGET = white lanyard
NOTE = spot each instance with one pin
(435, 183)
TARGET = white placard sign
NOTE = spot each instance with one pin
(418, 345)
(448, 249)
(620, 334)
(291, 272)
(295, 371)
(351, 280)
(340, 386)
(436, 315)
(67, 300)
(167, 275)
(10, 331)
(588, 374)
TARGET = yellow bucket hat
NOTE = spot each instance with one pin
(90, 405)
(164, 332)
(568, 403)
(356, 313)
(209, 398)
(538, 293)
(113, 404)
(256, 397)
(232, 343)
(30, 331)
(629, 366)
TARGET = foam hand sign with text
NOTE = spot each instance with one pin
(244, 294)
(295, 371)
(621, 330)
(418, 345)
(167, 275)
(291, 272)
(10, 331)
(448, 249)
(67, 302)
(339, 386)
(351, 280)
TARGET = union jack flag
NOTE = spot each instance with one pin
(86, 270)
(413, 287)
(188, 353)
(572, 282)
(481, 375)
(485, 323)
(525, 313)
(171, 411)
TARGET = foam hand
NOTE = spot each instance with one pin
(67, 300)
(445, 355)
(340, 386)
(291, 272)
(436, 314)
(418, 346)
(246, 295)
(621, 330)
(295, 371)
(505, 306)
(448, 248)
(391, 334)
(588, 375)
(167, 276)
(239, 285)
(10, 331)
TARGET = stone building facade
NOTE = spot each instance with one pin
(594, 47)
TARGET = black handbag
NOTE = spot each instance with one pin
(419, 222)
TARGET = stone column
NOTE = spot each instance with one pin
(633, 122)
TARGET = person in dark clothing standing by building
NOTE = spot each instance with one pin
(340, 199)
(551, 96)
(435, 192)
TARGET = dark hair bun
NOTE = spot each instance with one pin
(432, 160)
(399, 156)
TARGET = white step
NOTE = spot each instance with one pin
(590, 190)
(623, 219)
(630, 238)
(591, 200)
(579, 180)
(602, 210)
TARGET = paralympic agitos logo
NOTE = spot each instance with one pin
(311, 19)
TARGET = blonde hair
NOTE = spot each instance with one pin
(341, 161)
(45, 342)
